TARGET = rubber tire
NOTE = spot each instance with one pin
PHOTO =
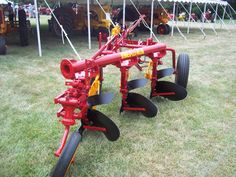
(3, 48)
(151, 108)
(66, 16)
(168, 29)
(162, 29)
(67, 155)
(23, 29)
(182, 70)
(99, 119)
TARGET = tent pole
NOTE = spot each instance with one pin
(37, 27)
(152, 7)
(189, 17)
(204, 16)
(217, 6)
(204, 34)
(222, 22)
(123, 14)
(144, 21)
(173, 24)
(89, 27)
(230, 17)
(172, 21)
(212, 26)
(223, 17)
(232, 8)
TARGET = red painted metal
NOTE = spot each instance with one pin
(101, 129)
(80, 73)
(133, 109)
(63, 141)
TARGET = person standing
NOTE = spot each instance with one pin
(9, 9)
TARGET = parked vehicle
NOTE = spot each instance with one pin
(9, 24)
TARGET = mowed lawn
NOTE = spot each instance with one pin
(192, 137)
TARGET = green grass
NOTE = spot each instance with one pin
(193, 137)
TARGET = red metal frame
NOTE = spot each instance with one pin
(81, 72)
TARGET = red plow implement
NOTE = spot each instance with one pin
(85, 88)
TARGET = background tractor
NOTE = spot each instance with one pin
(7, 26)
(160, 18)
(75, 19)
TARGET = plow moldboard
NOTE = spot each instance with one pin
(137, 83)
(164, 72)
(100, 120)
(137, 100)
(165, 87)
(103, 98)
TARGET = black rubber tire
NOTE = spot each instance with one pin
(137, 100)
(67, 155)
(3, 48)
(99, 119)
(182, 70)
(162, 29)
(66, 16)
(23, 29)
(168, 29)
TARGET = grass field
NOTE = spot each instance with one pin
(193, 137)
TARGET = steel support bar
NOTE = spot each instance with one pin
(213, 28)
(217, 7)
(204, 34)
(151, 25)
(89, 25)
(124, 5)
(230, 17)
(190, 14)
(220, 18)
(173, 23)
(37, 27)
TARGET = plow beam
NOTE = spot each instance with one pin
(70, 67)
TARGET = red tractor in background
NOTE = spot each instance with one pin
(208, 16)
(44, 11)
(12, 25)
(160, 18)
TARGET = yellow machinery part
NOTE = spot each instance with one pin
(95, 87)
(98, 18)
(148, 73)
(115, 30)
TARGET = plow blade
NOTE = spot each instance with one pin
(103, 98)
(98, 119)
(137, 83)
(165, 72)
(171, 90)
(139, 101)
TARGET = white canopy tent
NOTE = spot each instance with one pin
(4, 1)
(124, 2)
